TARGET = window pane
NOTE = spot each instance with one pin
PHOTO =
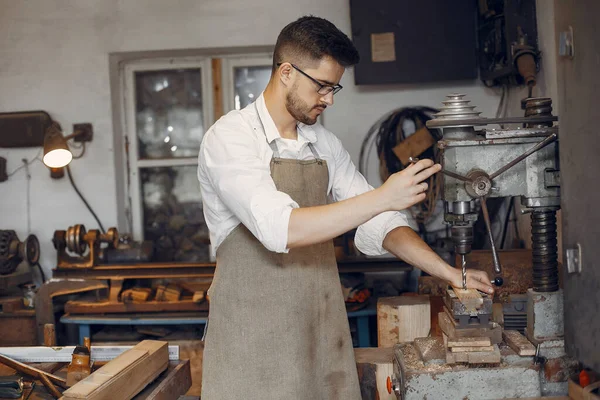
(249, 83)
(169, 117)
(173, 216)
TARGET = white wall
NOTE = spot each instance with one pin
(54, 57)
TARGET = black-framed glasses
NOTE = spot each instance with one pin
(323, 89)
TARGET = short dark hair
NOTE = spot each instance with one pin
(310, 39)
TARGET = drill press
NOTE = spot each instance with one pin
(520, 158)
(490, 162)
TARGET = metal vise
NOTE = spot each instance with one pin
(501, 162)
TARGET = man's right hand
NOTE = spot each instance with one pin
(407, 187)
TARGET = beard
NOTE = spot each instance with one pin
(300, 109)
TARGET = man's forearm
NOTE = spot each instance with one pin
(310, 225)
(405, 244)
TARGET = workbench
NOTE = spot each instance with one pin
(85, 322)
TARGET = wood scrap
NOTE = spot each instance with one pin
(126, 375)
(136, 295)
(167, 293)
(519, 343)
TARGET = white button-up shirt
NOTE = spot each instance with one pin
(236, 184)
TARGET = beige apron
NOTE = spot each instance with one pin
(278, 326)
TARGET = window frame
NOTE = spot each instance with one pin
(134, 163)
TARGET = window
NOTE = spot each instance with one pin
(168, 104)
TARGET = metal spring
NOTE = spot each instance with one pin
(539, 107)
(545, 251)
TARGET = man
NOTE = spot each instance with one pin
(278, 327)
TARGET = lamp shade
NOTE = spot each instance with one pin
(56, 151)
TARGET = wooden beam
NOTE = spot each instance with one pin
(126, 375)
(175, 381)
(217, 88)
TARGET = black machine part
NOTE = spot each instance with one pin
(13, 251)
(11, 387)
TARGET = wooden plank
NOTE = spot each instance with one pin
(469, 342)
(126, 375)
(175, 381)
(518, 343)
(374, 366)
(86, 307)
(470, 349)
(217, 88)
(402, 319)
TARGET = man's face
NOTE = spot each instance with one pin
(303, 101)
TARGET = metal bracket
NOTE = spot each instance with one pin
(574, 260)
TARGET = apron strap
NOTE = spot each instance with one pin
(273, 144)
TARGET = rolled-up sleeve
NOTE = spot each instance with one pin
(347, 183)
(242, 180)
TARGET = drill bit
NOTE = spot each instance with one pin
(464, 271)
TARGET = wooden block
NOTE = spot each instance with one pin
(519, 343)
(471, 298)
(168, 293)
(136, 295)
(374, 365)
(402, 319)
(126, 375)
(487, 357)
(469, 342)
(470, 349)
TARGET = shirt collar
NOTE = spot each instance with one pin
(271, 132)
